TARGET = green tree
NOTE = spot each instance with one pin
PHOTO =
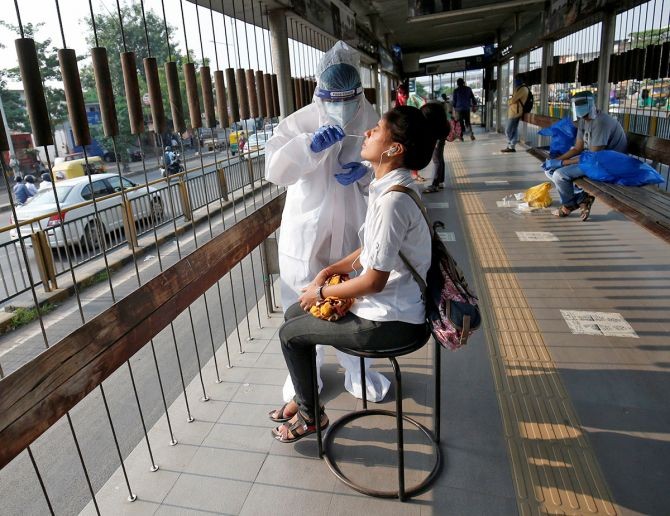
(421, 90)
(15, 108)
(109, 36)
(47, 57)
(649, 37)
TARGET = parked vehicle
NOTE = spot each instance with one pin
(72, 167)
(79, 226)
(254, 145)
(111, 157)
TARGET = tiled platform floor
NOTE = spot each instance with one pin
(615, 388)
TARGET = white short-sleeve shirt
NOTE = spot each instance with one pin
(394, 223)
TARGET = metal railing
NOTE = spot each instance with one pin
(44, 390)
(150, 206)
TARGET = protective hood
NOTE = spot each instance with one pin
(339, 91)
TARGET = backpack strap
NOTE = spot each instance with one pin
(417, 277)
(416, 199)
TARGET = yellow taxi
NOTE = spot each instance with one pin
(74, 166)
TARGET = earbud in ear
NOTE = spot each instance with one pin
(392, 151)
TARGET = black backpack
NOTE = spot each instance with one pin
(528, 105)
(452, 312)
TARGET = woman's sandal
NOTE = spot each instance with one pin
(282, 412)
(585, 207)
(308, 428)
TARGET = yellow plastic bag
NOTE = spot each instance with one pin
(538, 196)
(332, 308)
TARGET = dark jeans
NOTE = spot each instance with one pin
(439, 156)
(464, 120)
(302, 331)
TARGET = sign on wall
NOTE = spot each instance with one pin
(331, 16)
(564, 13)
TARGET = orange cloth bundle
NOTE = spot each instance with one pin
(332, 308)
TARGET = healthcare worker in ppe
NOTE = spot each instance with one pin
(595, 131)
(315, 153)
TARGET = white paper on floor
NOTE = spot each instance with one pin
(536, 236)
(496, 182)
(598, 323)
(446, 236)
(437, 205)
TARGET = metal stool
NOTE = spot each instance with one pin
(402, 493)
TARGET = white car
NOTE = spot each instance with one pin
(255, 145)
(80, 226)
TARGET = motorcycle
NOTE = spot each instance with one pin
(173, 168)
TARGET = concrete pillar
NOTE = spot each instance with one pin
(515, 71)
(515, 68)
(281, 59)
(499, 99)
(375, 85)
(606, 49)
(547, 57)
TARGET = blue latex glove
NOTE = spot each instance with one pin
(356, 171)
(552, 164)
(325, 136)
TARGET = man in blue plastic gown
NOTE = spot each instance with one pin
(595, 131)
(315, 153)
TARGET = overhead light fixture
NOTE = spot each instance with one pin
(459, 22)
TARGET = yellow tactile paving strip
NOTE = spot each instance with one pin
(553, 466)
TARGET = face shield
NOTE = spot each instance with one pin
(582, 105)
(340, 106)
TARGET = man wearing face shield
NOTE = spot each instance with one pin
(595, 131)
(315, 153)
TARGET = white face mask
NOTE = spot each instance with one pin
(341, 112)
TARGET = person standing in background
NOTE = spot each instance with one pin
(515, 112)
(434, 113)
(464, 101)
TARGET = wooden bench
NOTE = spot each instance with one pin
(647, 205)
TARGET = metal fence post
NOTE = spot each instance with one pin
(185, 200)
(223, 183)
(270, 261)
(129, 224)
(250, 170)
(45, 260)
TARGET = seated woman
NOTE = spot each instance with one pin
(388, 310)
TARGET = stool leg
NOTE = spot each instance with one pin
(317, 404)
(364, 388)
(398, 419)
(437, 356)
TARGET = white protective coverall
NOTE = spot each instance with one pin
(321, 217)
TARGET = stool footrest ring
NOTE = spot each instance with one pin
(409, 492)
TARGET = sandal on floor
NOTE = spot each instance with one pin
(563, 211)
(585, 207)
(430, 189)
(282, 412)
(308, 428)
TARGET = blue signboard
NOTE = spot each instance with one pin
(93, 117)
